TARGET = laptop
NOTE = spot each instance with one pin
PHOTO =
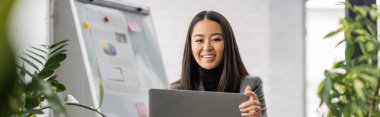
(184, 103)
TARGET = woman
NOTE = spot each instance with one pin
(211, 62)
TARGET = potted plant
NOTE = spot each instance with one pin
(23, 90)
(351, 87)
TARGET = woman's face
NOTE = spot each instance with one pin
(207, 43)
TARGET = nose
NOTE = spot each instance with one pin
(208, 46)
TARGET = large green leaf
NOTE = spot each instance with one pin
(349, 52)
(58, 48)
(358, 86)
(45, 73)
(361, 32)
(60, 87)
(362, 11)
(373, 14)
(52, 66)
(56, 59)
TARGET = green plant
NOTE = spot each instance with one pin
(351, 87)
(19, 96)
(43, 84)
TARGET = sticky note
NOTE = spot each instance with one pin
(133, 26)
(86, 25)
(140, 106)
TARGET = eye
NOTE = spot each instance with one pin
(198, 40)
(216, 40)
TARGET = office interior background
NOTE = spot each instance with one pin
(280, 40)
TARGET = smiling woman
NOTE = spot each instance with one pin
(211, 62)
(207, 44)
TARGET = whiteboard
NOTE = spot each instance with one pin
(114, 42)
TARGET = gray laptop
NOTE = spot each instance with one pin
(181, 103)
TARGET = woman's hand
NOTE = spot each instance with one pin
(252, 107)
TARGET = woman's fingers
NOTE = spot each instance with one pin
(253, 113)
(248, 92)
(244, 110)
(249, 103)
(252, 107)
(246, 104)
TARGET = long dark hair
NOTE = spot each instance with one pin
(233, 67)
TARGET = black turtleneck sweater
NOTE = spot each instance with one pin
(211, 77)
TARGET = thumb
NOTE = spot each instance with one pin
(247, 89)
(248, 92)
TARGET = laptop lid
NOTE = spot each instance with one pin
(184, 103)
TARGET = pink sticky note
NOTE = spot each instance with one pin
(140, 106)
(133, 26)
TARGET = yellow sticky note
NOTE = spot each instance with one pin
(86, 25)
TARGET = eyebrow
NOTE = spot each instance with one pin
(201, 35)
(216, 34)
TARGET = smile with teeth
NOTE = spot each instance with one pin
(208, 57)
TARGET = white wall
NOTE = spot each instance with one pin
(28, 23)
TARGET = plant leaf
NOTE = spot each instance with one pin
(37, 54)
(60, 87)
(373, 14)
(45, 73)
(360, 31)
(349, 52)
(362, 11)
(56, 59)
(59, 52)
(58, 48)
(340, 42)
(32, 115)
(52, 66)
(348, 5)
(30, 63)
(58, 43)
(43, 51)
(52, 78)
(333, 33)
(358, 86)
(35, 59)
(23, 70)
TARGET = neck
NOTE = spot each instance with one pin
(211, 77)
